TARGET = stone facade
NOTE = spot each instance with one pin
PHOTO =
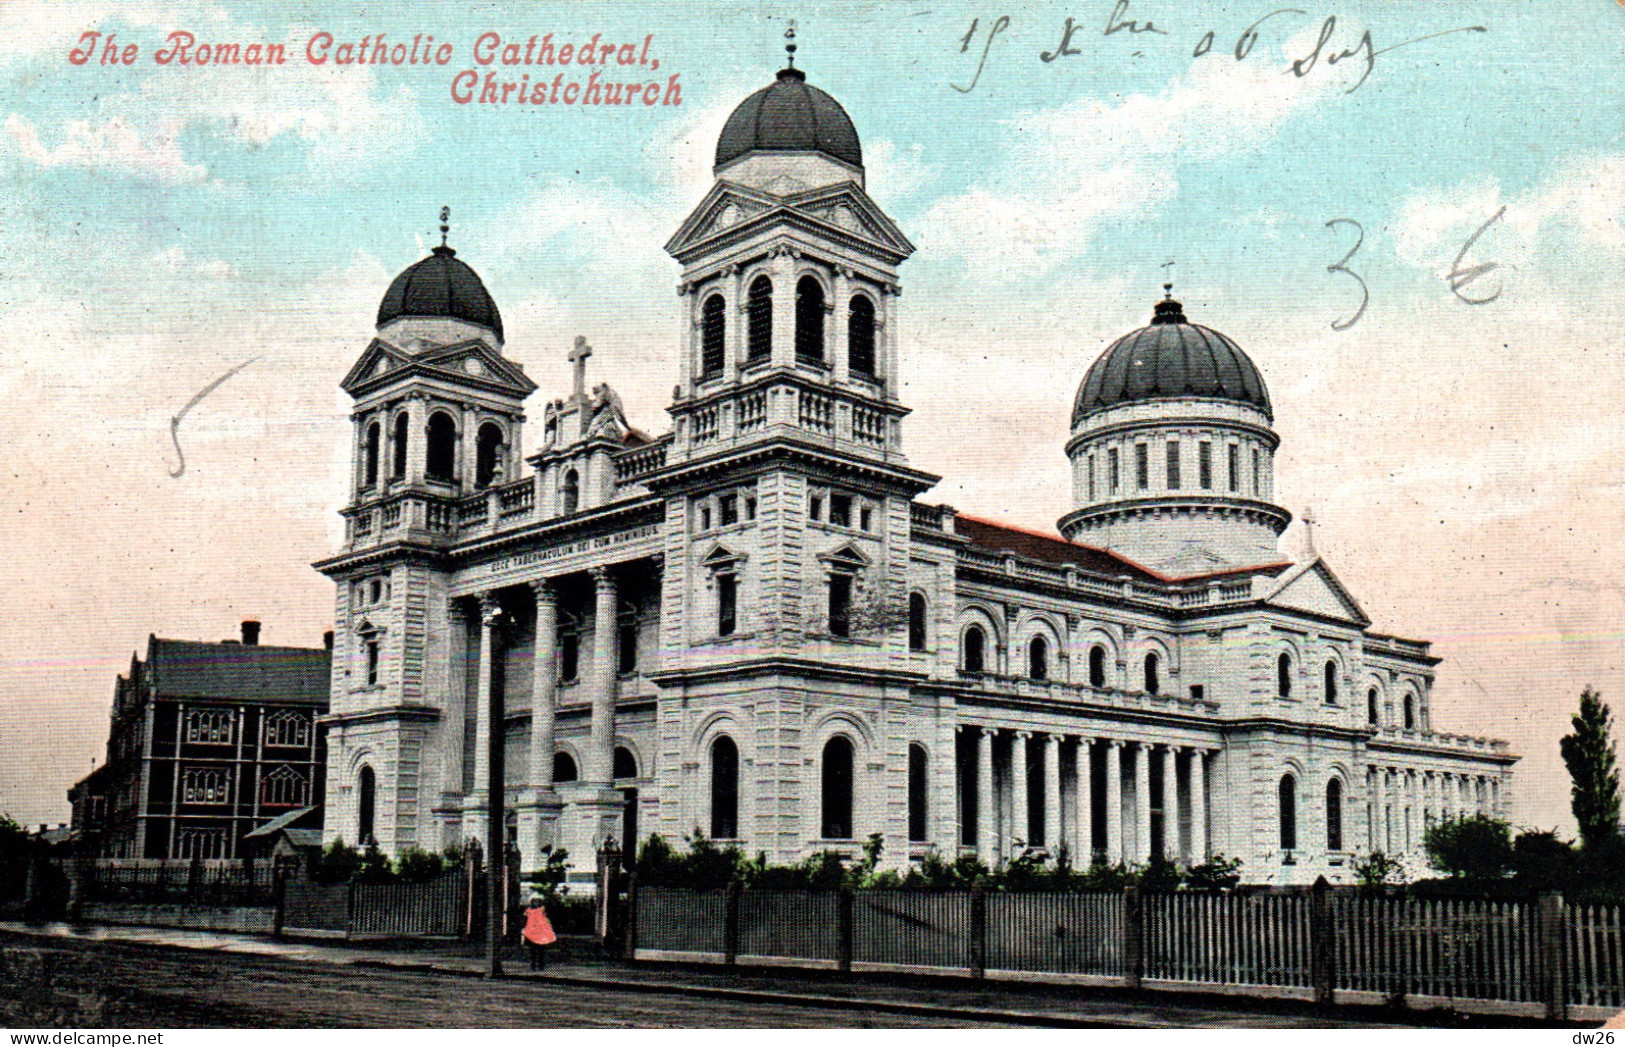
(753, 627)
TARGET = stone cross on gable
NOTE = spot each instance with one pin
(1309, 531)
(578, 357)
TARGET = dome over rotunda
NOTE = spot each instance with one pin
(440, 287)
(1170, 358)
(790, 115)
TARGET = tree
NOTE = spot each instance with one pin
(1378, 870)
(1476, 848)
(1589, 756)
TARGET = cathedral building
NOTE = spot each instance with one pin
(754, 626)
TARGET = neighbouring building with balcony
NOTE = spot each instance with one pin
(752, 626)
(208, 740)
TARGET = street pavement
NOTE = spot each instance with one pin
(184, 978)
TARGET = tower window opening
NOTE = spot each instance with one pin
(727, 604)
(564, 768)
(369, 464)
(1173, 465)
(1410, 713)
(1371, 705)
(488, 455)
(809, 320)
(1204, 465)
(916, 622)
(372, 660)
(728, 509)
(837, 789)
(403, 430)
(1334, 815)
(1331, 683)
(1142, 466)
(759, 320)
(840, 510)
(1233, 461)
(1038, 659)
(570, 493)
(724, 789)
(840, 605)
(366, 804)
(1288, 810)
(1111, 471)
(713, 329)
(866, 518)
(1153, 676)
(1089, 475)
(975, 656)
(860, 336)
(440, 455)
(1097, 666)
(1255, 471)
(1283, 676)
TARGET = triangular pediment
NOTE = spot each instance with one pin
(472, 362)
(838, 212)
(1312, 587)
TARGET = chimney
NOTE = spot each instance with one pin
(327, 641)
(251, 633)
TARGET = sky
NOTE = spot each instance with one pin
(1411, 216)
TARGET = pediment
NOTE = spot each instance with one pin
(474, 362)
(1312, 587)
(846, 556)
(720, 556)
(841, 212)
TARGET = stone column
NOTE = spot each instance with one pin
(733, 330)
(1142, 802)
(1083, 846)
(1018, 792)
(1198, 806)
(601, 749)
(1374, 830)
(1114, 801)
(1052, 793)
(835, 320)
(783, 272)
(416, 419)
(1170, 803)
(479, 796)
(538, 818)
(985, 828)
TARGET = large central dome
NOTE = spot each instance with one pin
(790, 115)
(440, 287)
(1170, 358)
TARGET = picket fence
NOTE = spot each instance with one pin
(1540, 956)
(437, 907)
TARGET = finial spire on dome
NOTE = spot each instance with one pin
(1168, 291)
(790, 43)
(445, 224)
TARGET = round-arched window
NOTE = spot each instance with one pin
(564, 768)
(1331, 683)
(488, 455)
(810, 320)
(440, 455)
(366, 805)
(837, 789)
(1410, 713)
(1289, 812)
(724, 789)
(369, 463)
(1038, 658)
(1153, 674)
(1097, 666)
(759, 320)
(916, 622)
(1334, 815)
(975, 649)
(570, 493)
(860, 336)
(624, 764)
(713, 329)
(916, 793)
(1283, 676)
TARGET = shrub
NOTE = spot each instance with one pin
(1378, 870)
(1217, 873)
(1476, 848)
(336, 863)
(548, 881)
(415, 866)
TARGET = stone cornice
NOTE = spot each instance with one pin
(386, 714)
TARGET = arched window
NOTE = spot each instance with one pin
(570, 493)
(440, 455)
(860, 336)
(488, 455)
(624, 765)
(837, 780)
(1283, 676)
(759, 320)
(810, 320)
(1038, 658)
(1153, 678)
(1331, 683)
(564, 768)
(975, 649)
(366, 803)
(916, 622)
(916, 793)
(1097, 666)
(713, 328)
(403, 432)
(1334, 815)
(1410, 713)
(369, 457)
(1371, 705)
(1289, 812)
(724, 789)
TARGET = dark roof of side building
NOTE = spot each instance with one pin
(1052, 549)
(237, 672)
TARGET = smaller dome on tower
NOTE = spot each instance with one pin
(1170, 357)
(790, 115)
(440, 287)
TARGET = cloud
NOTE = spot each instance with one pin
(117, 145)
(1072, 166)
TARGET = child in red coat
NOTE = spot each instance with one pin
(538, 933)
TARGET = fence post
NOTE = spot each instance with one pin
(1133, 936)
(730, 925)
(843, 954)
(349, 908)
(1556, 961)
(631, 951)
(978, 932)
(279, 900)
(1322, 941)
(194, 879)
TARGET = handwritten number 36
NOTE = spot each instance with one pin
(1342, 266)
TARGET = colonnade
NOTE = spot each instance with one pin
(1405, 801)
(1001, 789)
